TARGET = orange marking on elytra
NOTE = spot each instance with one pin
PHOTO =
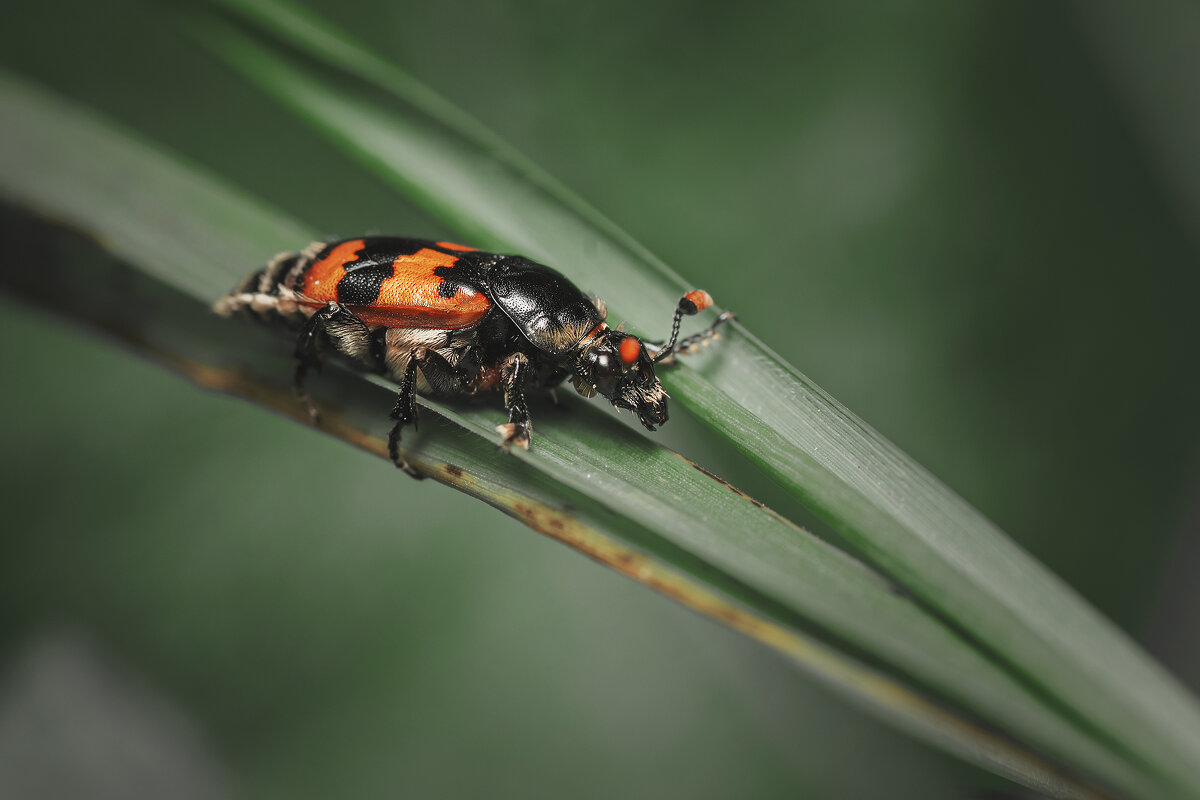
(321, 281)
(410, 298)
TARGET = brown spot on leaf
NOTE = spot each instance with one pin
(726, 484)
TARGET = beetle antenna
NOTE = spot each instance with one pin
(691, 303)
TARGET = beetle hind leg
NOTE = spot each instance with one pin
(404, 413)
(348, 334)
(442, 377)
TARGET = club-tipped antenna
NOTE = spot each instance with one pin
(693, 302)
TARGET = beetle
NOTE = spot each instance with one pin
(443, 319)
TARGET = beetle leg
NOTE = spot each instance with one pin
(348, 334)
(688, 345)
(442, 377)
(404, 413)
(691, 344)
(513, 372)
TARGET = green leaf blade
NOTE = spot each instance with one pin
(185, 235)
(904, 519)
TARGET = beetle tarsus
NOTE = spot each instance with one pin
(704, 338)
(690, 345)
(515, 433)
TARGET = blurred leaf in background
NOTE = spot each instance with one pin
(966, 222)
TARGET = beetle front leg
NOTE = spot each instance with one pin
(348, 333)
(513, 371)
(690, 344)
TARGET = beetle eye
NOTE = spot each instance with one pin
(606, 363)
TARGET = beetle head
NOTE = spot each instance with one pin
(616, 365)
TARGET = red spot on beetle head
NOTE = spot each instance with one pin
(630, 348)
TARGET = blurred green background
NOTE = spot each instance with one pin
(973, 223)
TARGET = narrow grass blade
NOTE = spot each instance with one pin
(907, 522)
(180, 238)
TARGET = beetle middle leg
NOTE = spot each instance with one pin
(348, 334)
(513, 372)
(442, 377)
